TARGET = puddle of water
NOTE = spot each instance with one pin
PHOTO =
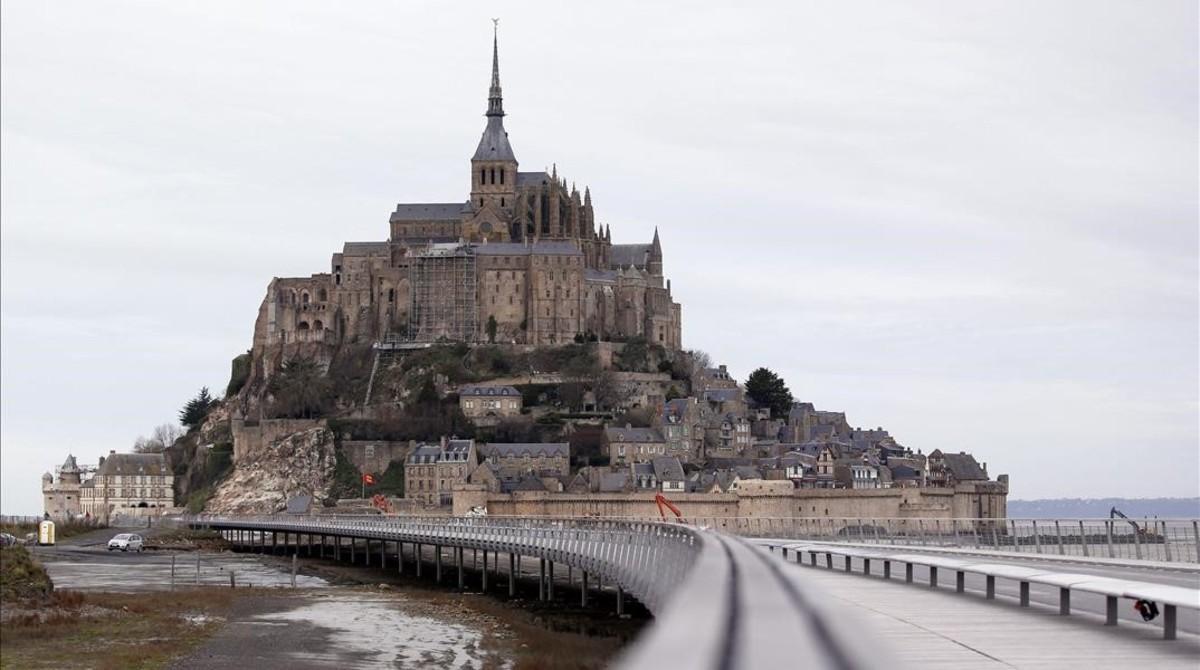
(125, 572)
(385, 636)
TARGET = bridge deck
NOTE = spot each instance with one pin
(930, 628)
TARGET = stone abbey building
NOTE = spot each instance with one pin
(522, 257)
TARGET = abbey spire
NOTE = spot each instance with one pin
(495, 97)
(494, 146)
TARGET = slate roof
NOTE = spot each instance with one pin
(748, 472)
(622, 255)
(964, 467)
(611, 482)
(433, 211)
(493, 145)
(134, 464)
(540, 248)
(519, 449)
(69, 465)
(532, 178)
(476, 390)
(668, 469)
(616, 434)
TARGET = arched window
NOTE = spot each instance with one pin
(482, 175)
(317, 325)
(304, 298)
(303, 326)
(493, 175)
(322, 295)
(391, 295)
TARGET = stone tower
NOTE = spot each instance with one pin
(494, 166)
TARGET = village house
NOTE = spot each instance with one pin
(949, 469)
(432, 470)
(487, 405)
(544, 458)
(60, 498)
(633, 445)
(129, 485)
(682, 428)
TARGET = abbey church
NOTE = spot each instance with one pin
(522, 260)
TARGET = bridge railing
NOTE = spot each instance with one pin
(1164, 540)
(718, 601)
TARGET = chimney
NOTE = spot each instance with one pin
(112, 452)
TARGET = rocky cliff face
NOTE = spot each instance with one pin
(263, 482)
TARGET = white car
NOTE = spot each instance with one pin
(126, 542)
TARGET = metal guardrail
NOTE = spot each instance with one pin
(1172, 597)
(1168, 540)
(719, 602)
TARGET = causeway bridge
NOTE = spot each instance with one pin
(823, 593)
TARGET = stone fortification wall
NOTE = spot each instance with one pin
(755, 500)
(253, 437)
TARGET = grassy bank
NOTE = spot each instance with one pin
(44, 628)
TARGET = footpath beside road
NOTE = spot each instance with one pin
(930, 628)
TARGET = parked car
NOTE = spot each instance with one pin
(7, 540)
(126, 542)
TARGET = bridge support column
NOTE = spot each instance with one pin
(1169, 615)
(847, 563)
(908, 573)
(274, 543)
(932, 576)
(887, 569)
(1110, 610)
(812, 558)
(458, 554)
(583, 586)
(383, 554)
(352, 549)
(437, 563)
(550, 580)
(399, 557)
(829, 561)
(1064, 601)
(541, 579)
(960, 581)
(620, 601)
(991, 587)
(866, 566)
(485, 562)
(512, 574)
(1024, 594)
(417, 556)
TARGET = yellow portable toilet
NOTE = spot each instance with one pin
(46, 532)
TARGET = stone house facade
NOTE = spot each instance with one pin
(633, 445)
(552, 458)
(129, 485)
(432, 470)
(487, 405)
(60, 498)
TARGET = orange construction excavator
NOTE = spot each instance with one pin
(381, 503)
(664, 504)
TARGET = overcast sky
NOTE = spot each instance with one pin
(974, 224)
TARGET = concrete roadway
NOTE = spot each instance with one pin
(1047, 596)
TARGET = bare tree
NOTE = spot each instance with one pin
(166, 434)
(162, 437)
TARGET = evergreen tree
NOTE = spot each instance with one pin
(196, 409)
(767, 388)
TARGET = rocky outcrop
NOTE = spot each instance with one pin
(262, 483)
